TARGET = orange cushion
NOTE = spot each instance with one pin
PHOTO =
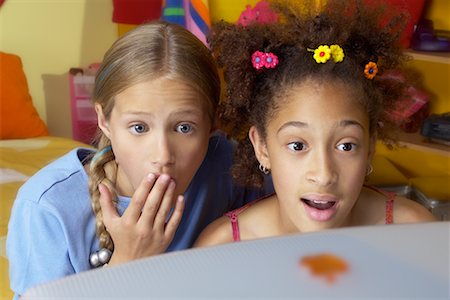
(18, 117)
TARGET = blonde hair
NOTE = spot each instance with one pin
(151, 51)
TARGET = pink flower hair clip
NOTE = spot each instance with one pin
(264, 59)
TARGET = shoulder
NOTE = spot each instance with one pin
(255, 219)
(372, 208)
(59, 186)
(409, 211)
(218, 232)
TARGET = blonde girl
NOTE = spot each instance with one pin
(160, 175)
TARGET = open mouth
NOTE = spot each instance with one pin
(320, 205)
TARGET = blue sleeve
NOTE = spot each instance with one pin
(36, 246)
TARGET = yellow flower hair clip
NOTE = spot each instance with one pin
(323, 53)
(337, 53)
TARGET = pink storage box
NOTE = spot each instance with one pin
(84, 118)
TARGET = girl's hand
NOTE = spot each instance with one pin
(142, 230)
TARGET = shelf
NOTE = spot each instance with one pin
(436, 57)
(418, 142)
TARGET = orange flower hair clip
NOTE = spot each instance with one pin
(370, 70)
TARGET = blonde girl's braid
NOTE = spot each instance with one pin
(148, 52)
(102, 170)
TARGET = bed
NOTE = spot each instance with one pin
(25, 146)
(20, 159)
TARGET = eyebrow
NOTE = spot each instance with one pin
(345, 123)
(181, 112)
(188, 112)
(298, 124)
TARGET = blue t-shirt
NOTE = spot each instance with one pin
(51, 232)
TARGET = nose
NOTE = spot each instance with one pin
(162, 154)
(321, 169)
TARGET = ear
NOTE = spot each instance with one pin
(260, 147)
(101, 120)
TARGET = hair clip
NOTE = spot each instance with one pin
(323, 53)
(100, 153)
(264, 59)
(100, 257)
(370, 70)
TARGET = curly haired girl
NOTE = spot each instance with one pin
(306, 99)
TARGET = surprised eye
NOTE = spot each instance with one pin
(184, 128)
(139, 128)
(346, 147)
(296, 146)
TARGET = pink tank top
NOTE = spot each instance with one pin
(233, 215)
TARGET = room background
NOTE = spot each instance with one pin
(53, 36)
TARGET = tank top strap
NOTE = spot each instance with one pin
(233, 215)
(390, 209)
(389, 218)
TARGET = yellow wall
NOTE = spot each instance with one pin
(228, 10)
(53, 36)
(435, 79)
(438, 11)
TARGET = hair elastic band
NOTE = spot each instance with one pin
(101, 153)
(100, 257)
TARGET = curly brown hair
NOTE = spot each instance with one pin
(252, 96)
